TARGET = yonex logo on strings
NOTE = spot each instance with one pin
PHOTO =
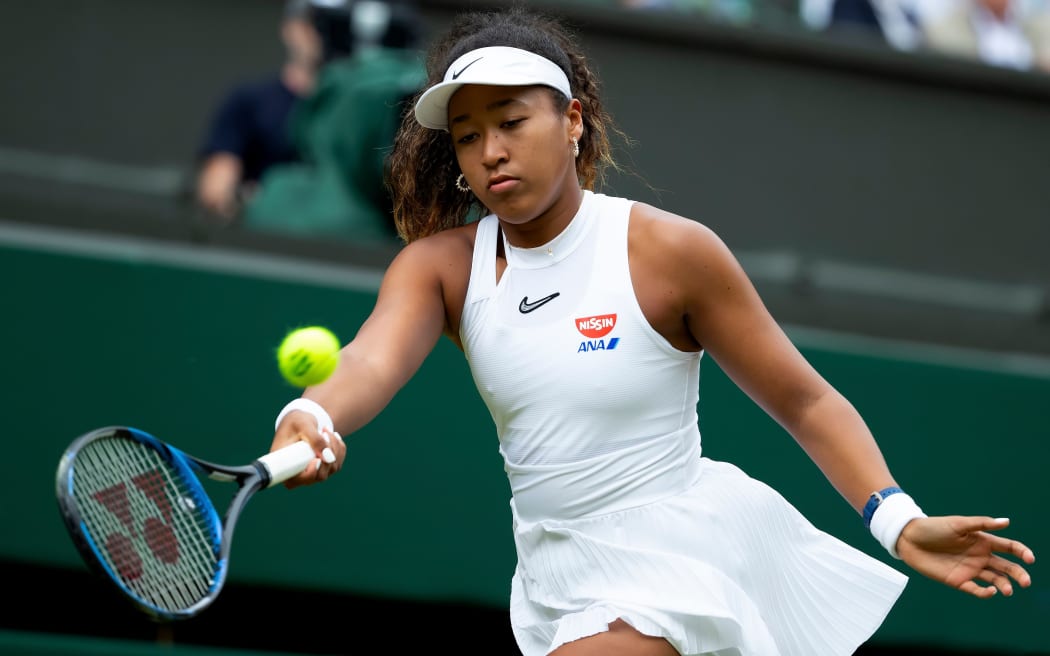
(155, 531)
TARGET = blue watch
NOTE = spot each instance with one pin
(874, 500)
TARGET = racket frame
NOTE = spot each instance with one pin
(266, 471)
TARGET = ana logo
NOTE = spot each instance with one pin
(597, 326)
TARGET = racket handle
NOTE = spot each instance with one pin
(287, 462)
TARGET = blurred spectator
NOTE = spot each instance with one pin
(648, 4)
(1007, 33)
(736, 11)
(248, 132)
(897, 23)
(344, 129)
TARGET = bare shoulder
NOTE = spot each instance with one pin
(673, 242)
(434, 269)
(680, 269)
(438, 255)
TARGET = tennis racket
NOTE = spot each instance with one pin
(140, 514)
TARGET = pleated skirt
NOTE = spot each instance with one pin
(727, 567)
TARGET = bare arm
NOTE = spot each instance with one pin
(391, 345)
(709, 301)
(217, 184)
(715, 305)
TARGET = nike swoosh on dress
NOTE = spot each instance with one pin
(525, 307)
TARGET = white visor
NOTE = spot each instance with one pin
(498, 65)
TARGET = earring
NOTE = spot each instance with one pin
(461, 183)
(575, 147)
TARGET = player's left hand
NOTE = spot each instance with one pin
(960, 552)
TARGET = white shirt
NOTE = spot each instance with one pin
(1001, 42)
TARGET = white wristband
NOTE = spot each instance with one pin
(310, 407)
(890, 518)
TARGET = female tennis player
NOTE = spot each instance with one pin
(584, 318)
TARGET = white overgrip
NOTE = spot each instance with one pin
(287, 462)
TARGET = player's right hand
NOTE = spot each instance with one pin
(302, 426)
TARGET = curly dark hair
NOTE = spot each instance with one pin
(421, 168)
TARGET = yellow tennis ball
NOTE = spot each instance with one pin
(308, 356)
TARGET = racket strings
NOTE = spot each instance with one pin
(150, 523)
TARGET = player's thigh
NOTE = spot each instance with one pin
(620, 640)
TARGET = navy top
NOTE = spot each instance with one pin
(252, 122)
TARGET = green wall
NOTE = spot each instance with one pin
(779, 140)
(179, 341)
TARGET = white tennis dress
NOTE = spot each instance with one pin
(616, 514)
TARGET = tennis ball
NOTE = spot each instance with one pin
(307, 356)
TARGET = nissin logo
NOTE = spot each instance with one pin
(596, 328)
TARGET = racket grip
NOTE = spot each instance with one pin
(285, 463)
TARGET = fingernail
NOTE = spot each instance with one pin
(328, 456)
(338, 436)
(317, 467)
(324, 434)
(1002, 519)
